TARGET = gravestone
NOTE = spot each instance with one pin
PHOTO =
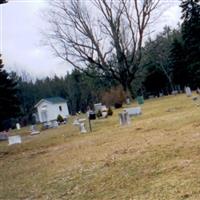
(14, 140)
(175, 92)
(76, 122)
(124, 118)
(97, 107)
(82, 127)
(128, 101)
(188, 91)
(91, 115)
(133, 111)
(33, 130)
(151, 97)
(104, 111)
(80, 123)
(196, 99)
(140, 100)
(18, 126)
(3, 136)
(54, 124)
(198, 91)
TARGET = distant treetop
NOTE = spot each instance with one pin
(3, 1)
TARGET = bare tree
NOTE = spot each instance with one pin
(104, 34)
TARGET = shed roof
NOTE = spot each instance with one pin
(53, 100)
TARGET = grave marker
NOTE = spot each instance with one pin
(175, 92)
(140, 100)
(97, 107)
(82, 128)
(80, 123)
(3, 136)
(33, 130)
(14, 140)
(18, 126)
(133, 111)
(124, 118)
(128, 101)
(188, 91)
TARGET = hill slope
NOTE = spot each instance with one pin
(156, 157)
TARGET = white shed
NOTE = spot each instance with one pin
(48, 109)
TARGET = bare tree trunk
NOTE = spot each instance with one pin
(168, 77)
(130, 89)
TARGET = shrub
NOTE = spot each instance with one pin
(118, 105)
(60, 119)
(110, 112)
(115, 94)
(99, 114)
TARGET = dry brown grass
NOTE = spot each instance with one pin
(156, 157)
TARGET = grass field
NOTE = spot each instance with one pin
(156, 157)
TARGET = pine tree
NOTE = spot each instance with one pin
(180, 73)
(3, 1)
(191, 39)
(9, 104)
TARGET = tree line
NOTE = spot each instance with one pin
(168, 62)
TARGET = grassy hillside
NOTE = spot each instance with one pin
(156, 157)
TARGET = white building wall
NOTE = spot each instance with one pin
(39, 109)
(53, 110)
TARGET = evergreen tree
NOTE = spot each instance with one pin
(9, 104)
(158, 62)
(180, 72)
(191, 39)
(3, 1)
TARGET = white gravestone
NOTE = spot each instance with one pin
(14, 140)
(188, 91)
(55, 124)
(18, 126)
(80, 123)
(76, 122)
(104, 111)
(82, 128)
(97, 107)
(133, 111)
(175, 92)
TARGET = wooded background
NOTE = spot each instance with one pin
(168, 62)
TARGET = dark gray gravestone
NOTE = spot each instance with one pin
(124, 118)
(3, 136)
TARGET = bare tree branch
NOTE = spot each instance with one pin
(109, 38)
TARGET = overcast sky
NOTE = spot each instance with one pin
(20, 37)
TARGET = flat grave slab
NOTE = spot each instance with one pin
(14, 140)
(133, 111)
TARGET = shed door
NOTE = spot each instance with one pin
(44, 115)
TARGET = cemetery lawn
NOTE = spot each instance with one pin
(156, 157)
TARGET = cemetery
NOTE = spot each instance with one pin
(135, 153)
(100, 100)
